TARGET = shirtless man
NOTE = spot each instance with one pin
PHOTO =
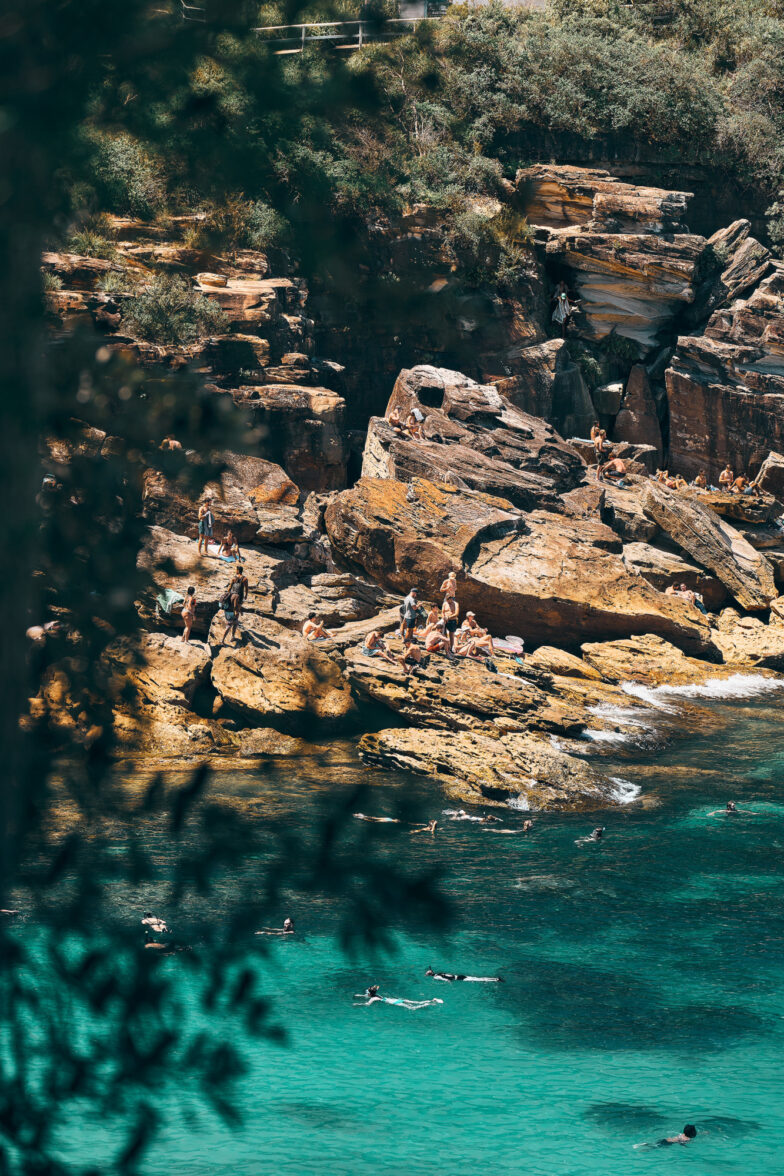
(436, 640)
(374, 647)
(449, 586)
(740, 484)
(237, 594)
(450, 611)
(395, 420)
(726, 477)
(412, 656)
(451, 977)
(613, 469)
(599, 438)
(206, 524)
(313, 629)
(433, 617)
(701, 481)
(430, 827)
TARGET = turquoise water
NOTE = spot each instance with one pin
(644, 988)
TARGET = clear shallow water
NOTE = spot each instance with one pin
(644, 988)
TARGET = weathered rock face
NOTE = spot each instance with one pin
(544, 380)
(339, 598)
(623, 510)
(277, 675)
(744, 261)
(174, 561)
(254, 498)
(662, 569)
(302, 430)
(460, 696)
(541, 576)
(475, 438)
(557, 195)
(638, 422)
(479, 769)
(746, 573)
(647, 659)
(748, 641)
(159, 667)
(725, 388)
(770, 478)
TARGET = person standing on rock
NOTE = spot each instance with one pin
(236, 594)
(188, 613)
(449, 586)
(206, 523)
(410, 613)
(450, 611)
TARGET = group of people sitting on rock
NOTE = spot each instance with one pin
(687, 594)
(727, 482)
(412, 424)
(438, 629)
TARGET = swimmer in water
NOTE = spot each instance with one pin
(451, 977)
(378, 820)
(732, 810)
(462, 815)
(689, 1132)
(597, 835)
(286, 929)
(152, 923)
(430, 827)
(527, 827)
(371, 996)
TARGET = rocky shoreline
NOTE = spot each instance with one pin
(542, 547)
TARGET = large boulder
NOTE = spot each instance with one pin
(648, 660)
(275, 675)
(749, 641)
(477, 768)
(714, 544)
(546, 382)
(664, 569)
(338, 597)
(474, 438)
(460, 696)
(254, 498)
(300, 429)
(770, 478)
(542, 576)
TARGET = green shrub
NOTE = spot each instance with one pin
(120, 282)
(90, 243)
(238, 223)
(622, 348)
(51, 281)
(170, 311)
(128, 179)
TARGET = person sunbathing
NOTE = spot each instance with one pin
(662, 476)
(481, 637)
(229, 546)
(413, 424)
(374, 647)
(313, 629)
(680, 483)
(740, 484)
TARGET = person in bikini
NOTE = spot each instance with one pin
(229, 546)
(236, 594)
(450, 611)
(188, 613)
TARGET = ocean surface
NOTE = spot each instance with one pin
(643, 981)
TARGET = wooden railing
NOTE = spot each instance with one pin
(340, 34)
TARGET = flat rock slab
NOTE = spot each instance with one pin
(649, 660)
(714, 544)
(665, 568)
(749, 641)
(479, 769)
(275, 674)
(543, 576)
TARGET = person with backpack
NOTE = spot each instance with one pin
(232, 602)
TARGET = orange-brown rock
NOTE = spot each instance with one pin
(300, 429)
(649, 660)
(542, 576)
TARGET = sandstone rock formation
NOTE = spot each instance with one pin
(275, 675)
(540, 575)
(478, 769)
(746, 573)
(664, 569)
(637, 420)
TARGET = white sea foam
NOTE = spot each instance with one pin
(625, 791)
(606, 736)
(520, 802)
(736, 686)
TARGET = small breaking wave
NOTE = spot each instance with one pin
(624, 791)
(735, 686)
(520, 803)
(606, 736)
